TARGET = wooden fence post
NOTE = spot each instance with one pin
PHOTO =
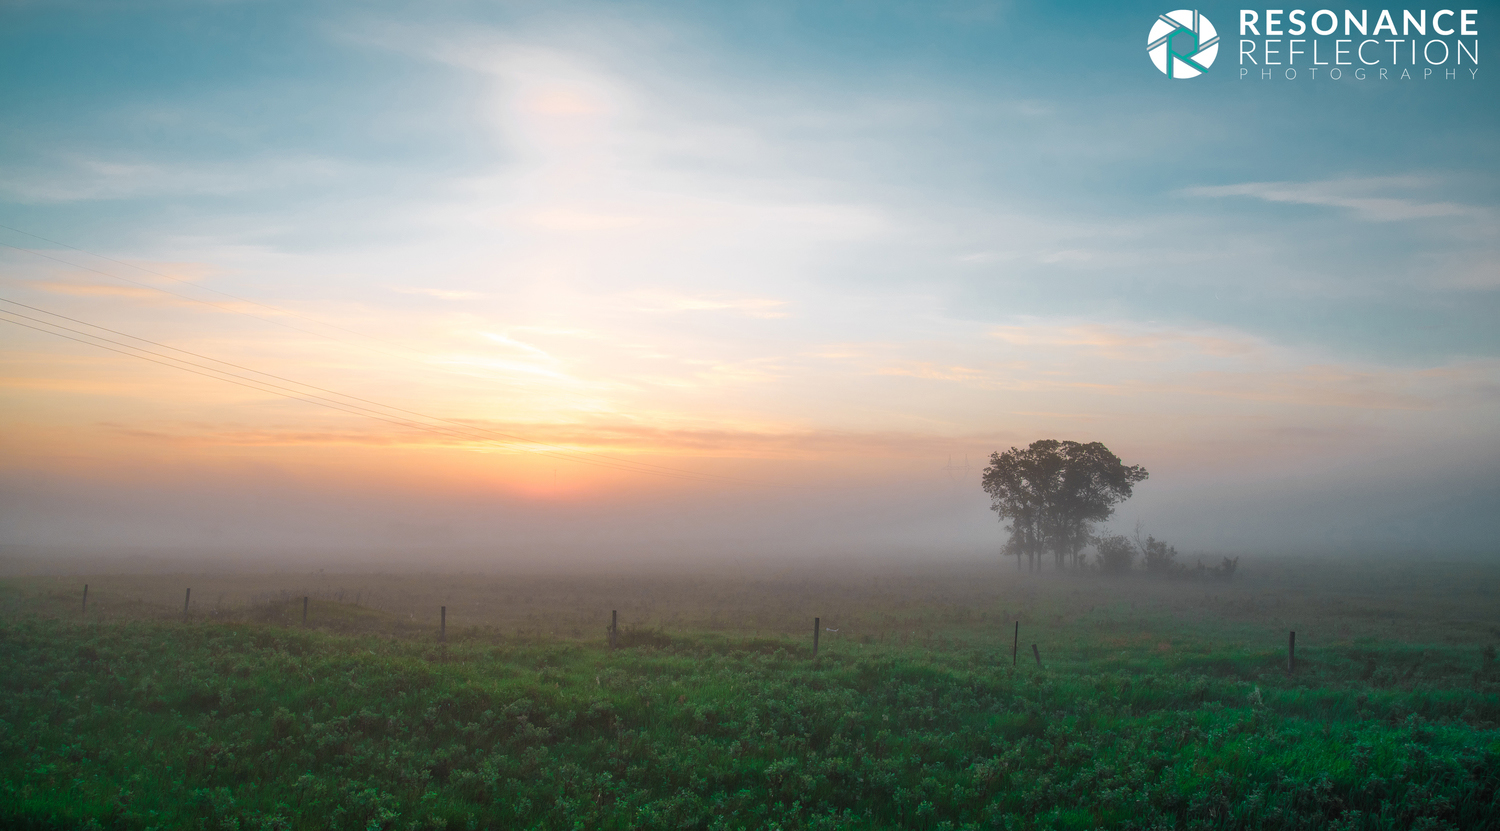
(1015, 647)
(304, 610)
(1291, 652)
(443, 625)
(1038, 656)
(817, 627)
(614, 628)
(85, 598)
(185, 599)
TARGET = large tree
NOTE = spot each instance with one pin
(1053, 492)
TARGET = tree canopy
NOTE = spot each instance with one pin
(1053, 492)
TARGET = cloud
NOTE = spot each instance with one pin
(1120, 343)
(1356, 195)
(516, 344)
(154, 297)
(665, 301)
(441, 294)
(628, 438)
(94, 179)
(1121, 371)
(505, 367)
(100, 290)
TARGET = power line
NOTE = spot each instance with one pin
(209, 303)
(573, 454)
(508, 437)
(463, 431)
(177, 363)
(217, 306)
(165, 363)
(220, 374)
(277, 309)
(168, 277)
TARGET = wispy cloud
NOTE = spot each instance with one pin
(522, 346)
(663, 301)
(1361, 196)
(441, 294)
(153, 297)
(100, 290)
(618, 436)
(1122, 343)
(1112, 369)
(93, 179)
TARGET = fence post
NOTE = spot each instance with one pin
(185, 599)
(443, 625)
(614, 627)
(304, 610)
(1015, 647)
(817, 627)
(85, 598)
(1038, 655)
(1291, 652)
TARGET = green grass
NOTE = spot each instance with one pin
(254, 723)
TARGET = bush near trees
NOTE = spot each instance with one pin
(1224, 570)
(1161, 559)
(1158, 557)
(1117, 553)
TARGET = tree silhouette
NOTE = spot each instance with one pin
(1053, 492)
(1116, 554)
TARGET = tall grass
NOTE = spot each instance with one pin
(258, 725)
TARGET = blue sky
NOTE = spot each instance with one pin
(845, 231)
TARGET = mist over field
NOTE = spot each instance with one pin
(1379, 507)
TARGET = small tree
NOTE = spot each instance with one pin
(1157, 556)
(1116, 554)
(1226, 569)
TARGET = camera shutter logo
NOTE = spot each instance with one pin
(1183, 44)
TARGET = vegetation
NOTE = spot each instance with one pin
(1136, 719)
(1117, 553)
(1053, 492)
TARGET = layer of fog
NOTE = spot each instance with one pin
(929, 518)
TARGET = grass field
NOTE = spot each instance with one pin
(1156, 705)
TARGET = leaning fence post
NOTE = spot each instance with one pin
(443, 625)
(1291, 652)
(817, 626)
(1015, 647)
(185, 599)
(85, 598)
(1038, 656)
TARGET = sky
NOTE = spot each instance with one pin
(727, 279)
